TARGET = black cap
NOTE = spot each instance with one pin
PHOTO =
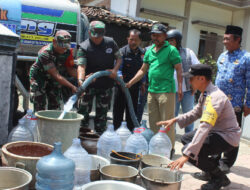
(199, 70)
(158, 28)
(236, 30)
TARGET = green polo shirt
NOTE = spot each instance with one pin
(161, 68)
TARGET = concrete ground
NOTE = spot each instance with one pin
(239, 175)
(240, 172)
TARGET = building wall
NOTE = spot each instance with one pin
(124, 7)
(198, 11)
(169, 6)
(215, 15)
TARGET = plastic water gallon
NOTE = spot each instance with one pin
(136, 143)
(160, 144)
(108, 141)
(82, 162)
(31, 123)
(146, 132)
(124, 133)
(55, 171)
(21, 133)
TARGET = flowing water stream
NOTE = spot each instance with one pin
(68, 106)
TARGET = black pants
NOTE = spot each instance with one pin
(120, 104)
(230, 157)
(214, 144)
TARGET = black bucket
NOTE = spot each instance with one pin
(120, 158)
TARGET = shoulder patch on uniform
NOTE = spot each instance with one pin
(109, 50)
(209, 114)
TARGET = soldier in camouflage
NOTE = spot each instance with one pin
(96, 54)
(47, 75)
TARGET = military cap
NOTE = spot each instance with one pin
(63, 38)
(97, 28)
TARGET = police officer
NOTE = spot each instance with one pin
(233, 78)
(188, 58)
(218, 126)
(96, 54)
(47, 75)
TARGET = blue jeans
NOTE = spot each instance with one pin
(187, 104)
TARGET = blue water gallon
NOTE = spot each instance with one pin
(124, 133)
(55, 171)
(146, 132)
(108, 141)
(160, 144)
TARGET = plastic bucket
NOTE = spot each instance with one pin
(51, 129)
(14, 178)
(25, 155)
(121, 158)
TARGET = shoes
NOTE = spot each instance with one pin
(216, 183)
(204, 176)
(172, 154)
(224, 168)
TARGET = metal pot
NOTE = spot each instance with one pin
(152, 160)
(158, 178)
(119, 172)
(89, 142)
(117, 159)
(14, 178)
(111, 185)
(97, 162)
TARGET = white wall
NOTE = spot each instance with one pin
(214, 15)
(124, 7)
(238, 18)
(169, 6)
(198, 11)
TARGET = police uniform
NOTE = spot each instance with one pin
(218, 130)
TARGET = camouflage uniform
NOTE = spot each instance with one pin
(43, 87)
(103, 98)
(97, 58)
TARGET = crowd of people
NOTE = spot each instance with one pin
(165, 76)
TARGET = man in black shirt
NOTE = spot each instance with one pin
(132, 58)
(96, 54)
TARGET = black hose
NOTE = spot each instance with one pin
(98, 74)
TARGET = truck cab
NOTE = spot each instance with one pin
(37, 22)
